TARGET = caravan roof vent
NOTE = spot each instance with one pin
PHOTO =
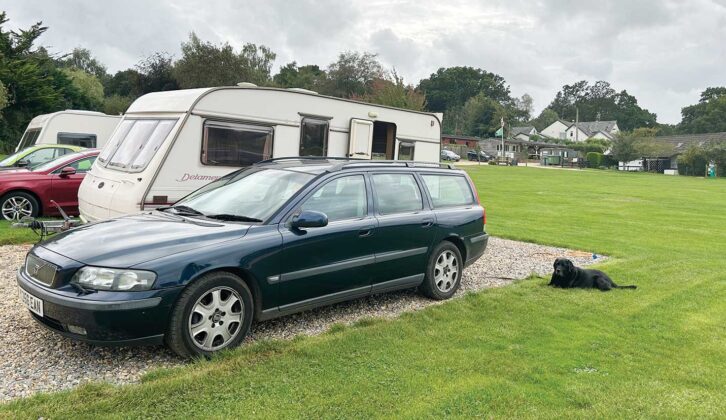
(301, 90)
(246, 85)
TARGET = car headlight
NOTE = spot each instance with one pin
(101, 278)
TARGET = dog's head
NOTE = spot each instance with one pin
(563, 267)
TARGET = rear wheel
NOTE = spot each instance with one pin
(443, 273)
(212, 314)
(16, 205)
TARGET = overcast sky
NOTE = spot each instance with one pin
(664, 52)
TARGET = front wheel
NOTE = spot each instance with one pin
(213, 313)
(16, 205)
(443, 272)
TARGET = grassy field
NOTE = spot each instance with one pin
(520, 351)
(10, 236)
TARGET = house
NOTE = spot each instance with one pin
(675, 146)
(451, 139)
(582, 131)
(556, 130)
(522, 133)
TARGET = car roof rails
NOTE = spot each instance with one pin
(366, 163)
(307, 158)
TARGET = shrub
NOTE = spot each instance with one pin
(594, 159)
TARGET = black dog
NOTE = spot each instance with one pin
(566, 275)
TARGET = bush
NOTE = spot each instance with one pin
(594, 159)
(608, 161)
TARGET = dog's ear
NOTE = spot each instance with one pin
(557, 261)
(570, 265)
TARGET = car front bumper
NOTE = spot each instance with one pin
(106, 322)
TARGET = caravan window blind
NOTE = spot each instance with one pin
(237, 145)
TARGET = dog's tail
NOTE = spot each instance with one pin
(631, 286)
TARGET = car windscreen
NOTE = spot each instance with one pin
(134, 143)
(254, 193)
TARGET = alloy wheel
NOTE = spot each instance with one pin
(15, 208)
(216, 318)
(446, 271)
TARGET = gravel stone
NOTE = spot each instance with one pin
(33, 359)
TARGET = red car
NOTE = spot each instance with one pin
(29, 191)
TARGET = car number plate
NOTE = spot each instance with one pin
(33, 303)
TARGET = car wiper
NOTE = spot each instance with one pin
(233, 218)
(182, 210)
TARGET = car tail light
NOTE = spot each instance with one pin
(476, 194)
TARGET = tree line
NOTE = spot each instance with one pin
(35, 81)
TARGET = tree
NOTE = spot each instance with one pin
(393, 92)
(623, 147)
(522, 108)
(33, 83)
(3, 96)
(89, 87)
(544, 119)
(708, 115)
(601, 102)
(309, 77)
(116, 104)
(481, 116)
(81, 59)
(124, 83)
(353, 74)
(204, 64)
(450, 88)
(156, 73)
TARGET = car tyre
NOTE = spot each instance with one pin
(18, 204)
(443, 272)
(213, 313)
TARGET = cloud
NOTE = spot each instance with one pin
(662, 51)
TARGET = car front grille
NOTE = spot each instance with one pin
(40, 270)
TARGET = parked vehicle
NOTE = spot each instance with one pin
(450, 156)
(74, 127)
(36, 155)
(280, 237)
(191, 137)
(483, 156)
(28, 192)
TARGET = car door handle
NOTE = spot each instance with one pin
(427, 223)
(366, 231)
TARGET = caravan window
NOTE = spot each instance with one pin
(314, 137)
(29, 138)
(238, 145)
(405, 150)
(134, 143)
(77, 139)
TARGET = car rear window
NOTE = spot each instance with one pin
(448, 190)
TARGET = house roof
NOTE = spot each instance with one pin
(592, 127)
(681, 142)
(521, 130)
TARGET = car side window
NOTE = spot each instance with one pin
(397, 193)
(83, 165)
(340, 199)
(41, 156)
(448, 191)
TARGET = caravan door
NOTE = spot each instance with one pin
(361, 139)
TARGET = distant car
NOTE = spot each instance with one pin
(27, 192)
(483, 157)
(449, 155)
(36, 155)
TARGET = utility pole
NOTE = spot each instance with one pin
(577, 124)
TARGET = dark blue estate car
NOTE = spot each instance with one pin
(282, 236)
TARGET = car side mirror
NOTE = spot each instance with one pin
(67, 171)
(309, 219)
(22, 163)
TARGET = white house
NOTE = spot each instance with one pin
(556, 130)
(582, 131)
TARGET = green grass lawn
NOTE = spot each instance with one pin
(12, 236)
(520, 351)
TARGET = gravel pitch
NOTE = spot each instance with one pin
(33, 359)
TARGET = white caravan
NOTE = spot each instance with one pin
(74, 127)
(171, 143)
